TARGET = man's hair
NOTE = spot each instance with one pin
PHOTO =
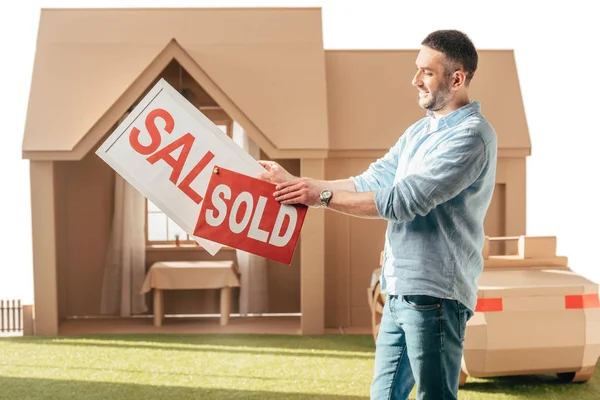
(458, 49)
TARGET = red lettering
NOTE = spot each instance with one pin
(185, 183)
(240, 211)
(164, 154)
(155, 136)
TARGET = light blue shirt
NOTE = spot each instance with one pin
(434, 188)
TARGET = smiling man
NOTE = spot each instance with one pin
(434, 187)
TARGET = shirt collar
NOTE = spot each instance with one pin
(458, 115)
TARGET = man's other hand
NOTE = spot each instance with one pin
(275, 173)
(299, 191)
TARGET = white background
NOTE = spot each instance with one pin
(556, 47)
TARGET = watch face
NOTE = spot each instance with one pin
(326, 194)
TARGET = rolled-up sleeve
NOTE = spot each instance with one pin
(446, 172)
(380, 173)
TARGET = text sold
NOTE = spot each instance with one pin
(240, 211)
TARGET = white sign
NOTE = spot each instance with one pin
(166, 148)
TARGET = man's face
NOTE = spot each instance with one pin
(431, 80)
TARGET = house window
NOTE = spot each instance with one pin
(160, 229)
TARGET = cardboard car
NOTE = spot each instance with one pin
(534, 315)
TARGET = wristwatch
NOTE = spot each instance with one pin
(325, 197)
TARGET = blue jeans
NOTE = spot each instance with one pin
(420, 341)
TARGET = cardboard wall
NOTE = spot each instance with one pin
(284, 280)
(45, 276)
(84, 205)
(352, 248)
(243, 52)
(371, 100)
(494, 223)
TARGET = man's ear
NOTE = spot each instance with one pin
(459, 79)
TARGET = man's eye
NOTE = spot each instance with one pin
(428, 74)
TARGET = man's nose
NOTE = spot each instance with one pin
(416, 81)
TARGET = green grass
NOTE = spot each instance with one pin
(184, 367)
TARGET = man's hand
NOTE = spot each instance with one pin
(308, 192)
(275, 173)
(299, 191)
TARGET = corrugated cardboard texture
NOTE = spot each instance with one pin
(43, 221)
(525, 341)
(352, 249)
(533, 281)
(81, 68)
(372, 101)
(537, 247)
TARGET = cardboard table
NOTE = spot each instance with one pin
(179, 275)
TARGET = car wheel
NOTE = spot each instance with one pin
(583, 375)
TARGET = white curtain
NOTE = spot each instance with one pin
(254, 295)
(126, 258)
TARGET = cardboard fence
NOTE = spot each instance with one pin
(178, 159)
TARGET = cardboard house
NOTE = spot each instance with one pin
(321, 113)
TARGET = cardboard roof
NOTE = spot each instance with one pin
(87, 59)
(372, 101)
(312, 101)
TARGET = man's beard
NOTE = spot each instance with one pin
(437, 99)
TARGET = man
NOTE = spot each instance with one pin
(434, 186)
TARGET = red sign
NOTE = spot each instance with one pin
(241, 212)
